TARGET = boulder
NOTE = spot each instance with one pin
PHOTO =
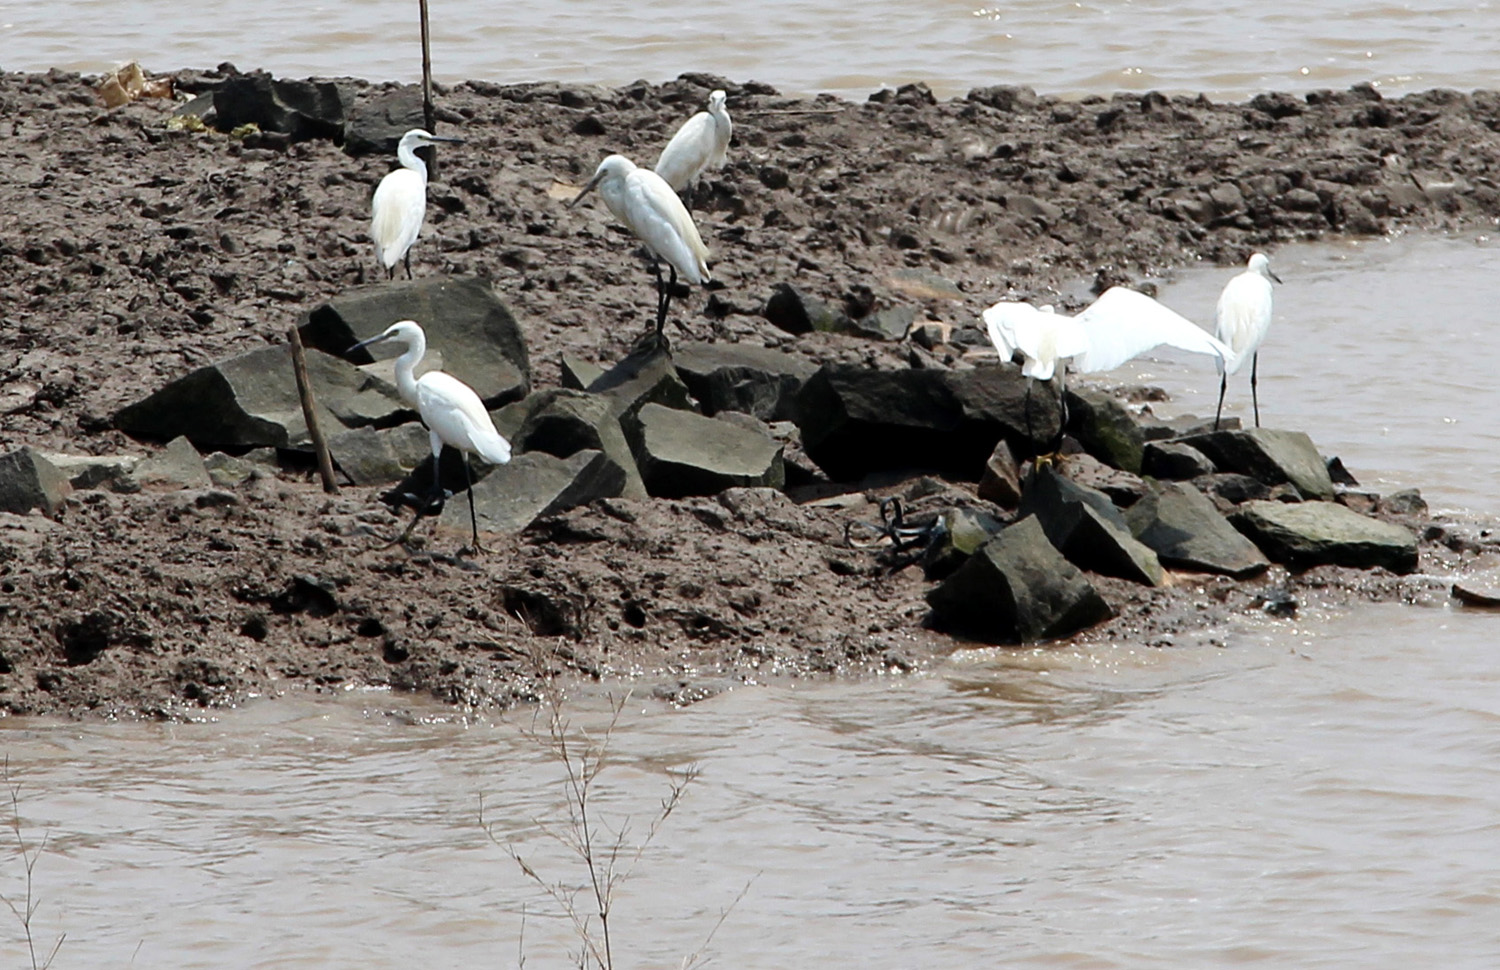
(1105, 429)
(376, 124)
(465, 321)
(646, 376)
(375, 457)
(1160, 429)
(29, 481)
(796, 312)
(1174, 460)
(564, 422)
(578, 374)
(1228, 489)
(856, 420)
(251, 401)
(301, 109)
(958, 535)
(1001, 480)
(1185, 531)
(92, 471)
(889, 323)
(742, 377)
(1017, 587)
(532, 485)
(1323, 533)
(1120, 487)
(229, 471)
(1268, 455)
(1084, 525)
(178, 465)
(684, 453)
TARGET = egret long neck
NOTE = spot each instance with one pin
(406, 366)
(409, 159)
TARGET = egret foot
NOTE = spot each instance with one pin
(432, 505)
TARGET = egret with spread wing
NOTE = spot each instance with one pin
(452, 411)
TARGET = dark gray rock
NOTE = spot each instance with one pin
(1268, 455)
(1121, 487)
(466, 323)
(889, 323)
(1323, 533)
(532, 485)
(376, 457)
(29, 481)
(1228, 489)
(578, 374)
(959, 534)
(1408, 502)
(742, 377)
(564, 422)
(1476, 592)
(251, 400)
(1017, 587)
(856, 420)
(796, 312)
(1339, 474)
(178, 465)
(377, 123)
(1001, 480)
(1174, 460)
(683, 453)
(1105, 429)
(1160, 429)
(647, 376)
(92, 471)
(229, 471)
(1084, 525)
(301, 109)
(1186, 532)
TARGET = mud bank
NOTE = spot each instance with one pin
(132, 254)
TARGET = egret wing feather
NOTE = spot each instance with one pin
(1123, 324)
(452, 409)
(691, 150)
(662, 222)
(1243, 316)
(1042, 337)
(398, 208)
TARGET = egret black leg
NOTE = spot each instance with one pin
(433, 497)
(1223, 383)
(1254, 400)
(1062, 415)
(407, 259)
(661, 315)
(390, 272)
(1026, 407)
(473, 519)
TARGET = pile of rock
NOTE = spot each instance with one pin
(1133, 499)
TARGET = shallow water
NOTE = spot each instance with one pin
(1380, 349)
(1228, 49)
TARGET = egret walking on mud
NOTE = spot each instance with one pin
(400, 203)
(1118, 326)
(452, 411)
(648, 207)
(701, 143)
(1242, 320)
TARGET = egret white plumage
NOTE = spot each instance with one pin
(400, 203)
(701, 143)
(1242, 320)
(648, 207)
(1118, 326)
(452, 411)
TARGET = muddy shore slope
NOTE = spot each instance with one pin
(131, 254)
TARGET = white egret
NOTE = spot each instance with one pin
(701, 143)
(452, 411)
(648, 207)
(400, 203)
(1242, 319)
(1118, 326)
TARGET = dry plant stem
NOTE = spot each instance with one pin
(29, 856)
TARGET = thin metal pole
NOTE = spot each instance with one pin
(310, 413)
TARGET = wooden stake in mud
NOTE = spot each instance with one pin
(429, 116)
(310, 414)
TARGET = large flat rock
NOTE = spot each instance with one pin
(1307, 534)
(742, 377)
(1085, 526)
(532, 485)
(563, 422)
(251, 401)
(1268, 455)
(1105, 429)
(1187, 532)
(466, 323)
(1017, 587)
(684, 453)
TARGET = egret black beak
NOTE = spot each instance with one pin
(367, 343)
(1273, 276)
(451, 141)
(587, 188)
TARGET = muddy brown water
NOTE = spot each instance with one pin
(1318, 792)
(1230, 49)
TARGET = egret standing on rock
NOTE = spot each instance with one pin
(648, 207)
(1118, 326)
(452, 411)
(701, 143)
(401, 203)
(1242, 320)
